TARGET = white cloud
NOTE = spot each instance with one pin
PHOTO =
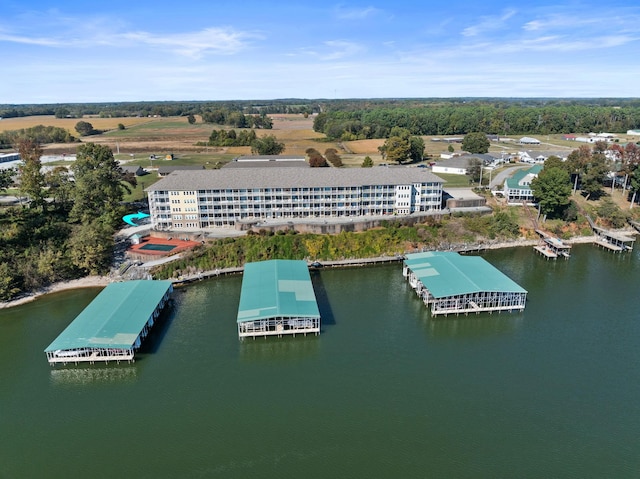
(356, 13)
(99, 32)
(341, 49)
(488, 24)
(40, 41)
(225, 41)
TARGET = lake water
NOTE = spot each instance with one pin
(383, 392)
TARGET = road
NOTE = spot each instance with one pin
(498, 179)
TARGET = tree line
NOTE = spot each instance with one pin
(237, 119)
(40, 134)
(459, 119)
(154, 108)
(65, 224)
(232, 138)
(296, 106)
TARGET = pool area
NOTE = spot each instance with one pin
(151, 248)
(157, 247)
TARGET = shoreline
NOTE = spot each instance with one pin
(86, 282)
(100, 281)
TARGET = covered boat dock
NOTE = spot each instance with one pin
(114, 324)
(277, 298)
(551, 246)
(454, 284)
(613, 241)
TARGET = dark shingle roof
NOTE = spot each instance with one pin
(236, 178)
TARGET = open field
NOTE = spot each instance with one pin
(7, 124)
(163, 135)
(175, 135)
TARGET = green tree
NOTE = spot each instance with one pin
(450, 148)
(504, 223)
(367, 162)
(8, 282)
(62, 112)
(577, 162)
(84, 128)
(474, 170)
(191, 119)
(594, 175)
(99, 189)
(267, 145)
(237, 119)
(396, 148)
(555, 162)
(60, 187)
(417, 148)
(475, 142)
(6, 178)
(552, 190)
(90, 246)
(31, 176)
(121, 126)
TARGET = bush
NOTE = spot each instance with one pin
(611, 213)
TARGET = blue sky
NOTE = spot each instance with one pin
(220, 50)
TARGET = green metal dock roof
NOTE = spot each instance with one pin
(277, 288)
(446, 273)
(115, 318)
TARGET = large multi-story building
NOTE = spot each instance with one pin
(188, 200)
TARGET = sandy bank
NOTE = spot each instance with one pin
(86, 282)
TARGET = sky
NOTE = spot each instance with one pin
(142, 50)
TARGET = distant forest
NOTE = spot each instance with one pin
(352, 119)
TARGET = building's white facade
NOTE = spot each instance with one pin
(517, 189)
(4, 157)
(188, 200)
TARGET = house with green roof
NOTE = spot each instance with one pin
(517, 188)
(450, 283)
(277, 298)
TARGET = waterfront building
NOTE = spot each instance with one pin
(452, 284)
(193, 200)
(277, 298)
(114, 324)
(517, 188)
(5, 157)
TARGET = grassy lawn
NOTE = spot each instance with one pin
(455, 181)
(138, 193)
(162, 127)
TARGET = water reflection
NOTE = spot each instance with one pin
(276, 349)
(95, 374)
(324, 305)
(473, 326)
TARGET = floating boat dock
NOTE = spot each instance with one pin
(277, 298)
(453, 284)
(114, 324)
(551, 247)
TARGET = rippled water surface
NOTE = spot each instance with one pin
(383, 392)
